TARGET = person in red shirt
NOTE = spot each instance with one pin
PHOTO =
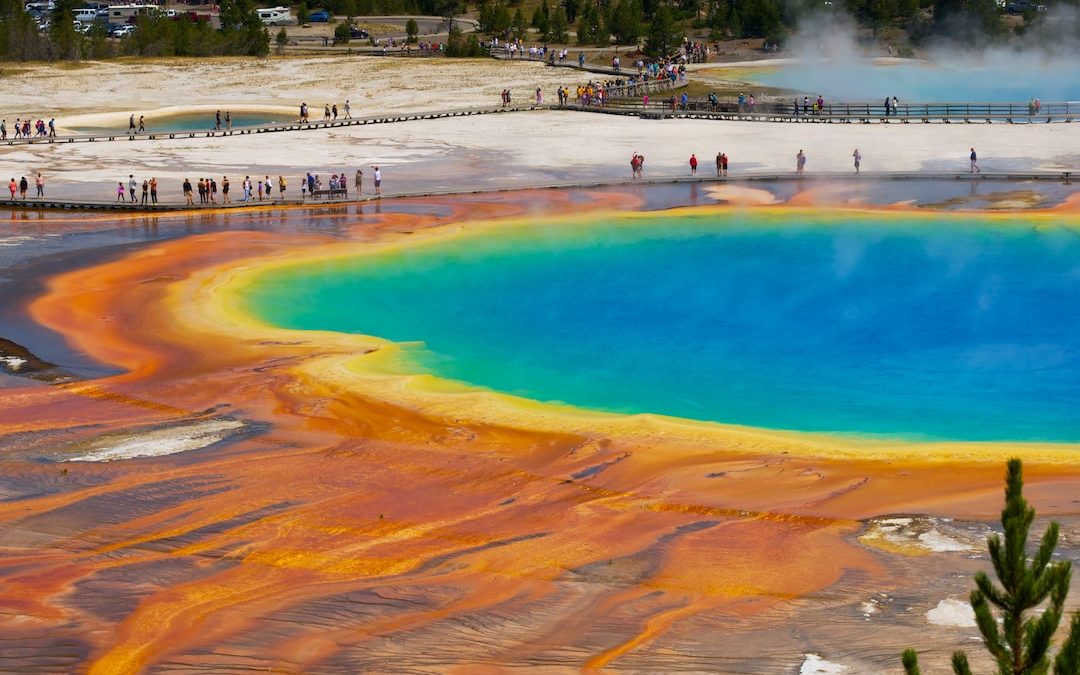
(693, 165)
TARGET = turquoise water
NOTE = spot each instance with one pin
(193, 122)
(913, 327)
(1005, 80)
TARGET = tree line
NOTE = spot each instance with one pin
(241, 34)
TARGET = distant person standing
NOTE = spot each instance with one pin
(723, 163)
(217, 121)
(131, 124)
(145, 191)
(377, 176)
(3, 130)
(281, 186)
(719, 164)
(40, 183)
(228, 120)
(269, 187)
(52, 127)
(800, 163)
(23, 187)
(693, 164)
(213, 190)
(132, 185)
(334, 110)
(225, 190)
(13, 187)
(888, 104)
(858, 158)
(153, 190)
(359, 182)
(120, 191)
(187, 192)
(974, 162)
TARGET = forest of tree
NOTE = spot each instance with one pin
(586, 22)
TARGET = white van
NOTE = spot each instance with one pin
(85, 14)
(121, 14)
(276, 16)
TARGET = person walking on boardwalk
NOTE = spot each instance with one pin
(268, 185)
(145, 191)
(359, 182)
(348, 110)
(40, 183)
(858, 158)
(228, 120)
(800, 163)
(142, 124)
(14, 187)
(187, 192)
(974, 162)
(281, 185)
(334, 110)
(217, 121)
(693, 164)
(153, 190)
(52, 127)
(120, 191)
(23, 187)
(225, 190)
(260, 189)
(131, 187)
(3, 130)
(377, 175)
(131, 124)
(326, 112)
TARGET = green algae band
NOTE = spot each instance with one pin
(935, 327)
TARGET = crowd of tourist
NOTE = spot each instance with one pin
(24, 128)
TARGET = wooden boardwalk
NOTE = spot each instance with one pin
(387, 118)
(1064, 177)
(844, 113)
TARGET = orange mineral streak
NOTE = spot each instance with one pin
(364, 523)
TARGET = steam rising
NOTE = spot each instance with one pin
(830, 61)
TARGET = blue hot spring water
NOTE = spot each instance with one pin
(1011, 79)
(914, 327)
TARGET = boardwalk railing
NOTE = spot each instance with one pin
(1016, 113)
(1064, 177)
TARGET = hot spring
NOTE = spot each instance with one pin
(1001, 79)
(910, 326)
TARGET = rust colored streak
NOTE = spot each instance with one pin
(343, 532)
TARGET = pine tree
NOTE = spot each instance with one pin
(1021, 645)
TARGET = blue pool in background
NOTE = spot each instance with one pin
(918, 327)
(192, 122)
(1013, 80)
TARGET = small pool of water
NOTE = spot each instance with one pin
(1001, 80)
(910, 326)
(192, 122)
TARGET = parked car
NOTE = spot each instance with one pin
(122, 31)
(321, 16)
(358, 33)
